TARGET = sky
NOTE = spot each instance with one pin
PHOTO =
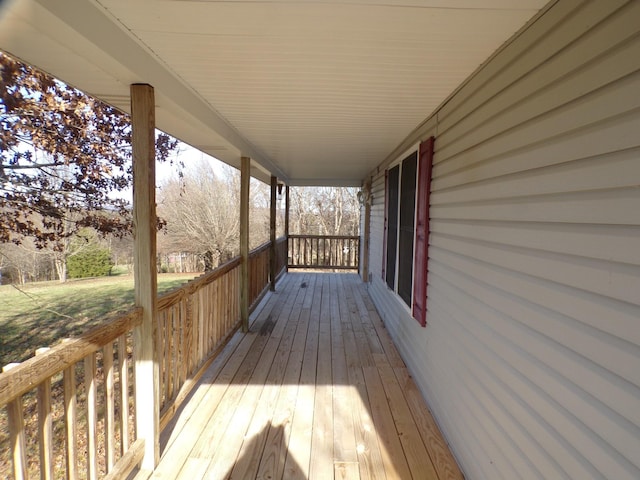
(165, 171)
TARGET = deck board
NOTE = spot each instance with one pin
(315, 390)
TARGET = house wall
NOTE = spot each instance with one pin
(531, 357)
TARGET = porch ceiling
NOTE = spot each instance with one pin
(317, 92)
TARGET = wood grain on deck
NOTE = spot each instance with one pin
(316, 390)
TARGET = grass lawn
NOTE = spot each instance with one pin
(40, 314)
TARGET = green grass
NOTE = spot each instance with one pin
(39, 315)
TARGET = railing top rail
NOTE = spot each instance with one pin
(262, 248)
(265, 246)
(337, 237)
(30, 373)
(174, 296)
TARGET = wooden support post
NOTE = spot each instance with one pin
(286, 227)
(245, 173)
(272, 234)
(367, 232)
(145, 276)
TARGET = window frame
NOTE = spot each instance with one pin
(417, 305)
(413, 151)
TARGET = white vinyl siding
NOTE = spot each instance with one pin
(531, 356)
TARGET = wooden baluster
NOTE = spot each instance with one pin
(166, 359)
(16, 433)
(109, 421)
(123, 363)
(343, 261)
(92, 415)
(184, 359)
(175, 352)
(199, 321)
(217, 308)
(45, 426)
(352, 253)
(312, 257)
(160, 346)
(294, 251)
(70, 420)
(326, 251)
(191, 348)
(350, 256)
(325, 260)
(332, 247)
(171, 354)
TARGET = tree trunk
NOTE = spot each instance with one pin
(61, 268)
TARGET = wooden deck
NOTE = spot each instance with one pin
(316, 390)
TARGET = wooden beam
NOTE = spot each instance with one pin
(272, 235)
(245, 173)
(367, 232)
(286, 226)
(145, 276)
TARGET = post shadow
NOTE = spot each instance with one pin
(267, 456)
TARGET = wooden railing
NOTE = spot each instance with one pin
(193, 321)
(77, 399)
(197, 319)
(324, 251)
(73, 401)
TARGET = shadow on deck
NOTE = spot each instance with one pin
(316, 390)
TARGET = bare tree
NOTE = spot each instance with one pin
(201, 214)
(201, 211)
(25, 263)
(324, 211)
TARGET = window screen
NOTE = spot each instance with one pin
(392, 224)
(407, 227)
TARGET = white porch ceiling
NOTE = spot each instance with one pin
(317, 92)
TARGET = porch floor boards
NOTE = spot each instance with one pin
(316, 390)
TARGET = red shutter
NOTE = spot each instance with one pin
(425, 163)
(386, 224)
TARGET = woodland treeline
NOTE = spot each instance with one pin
(199, 212)
(200, 225)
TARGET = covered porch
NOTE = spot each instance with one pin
(495, 147)
(316, 389)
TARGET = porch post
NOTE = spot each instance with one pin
(367, 232)
(245, 173)
(286, 227)
(272, 234)
(145, 276)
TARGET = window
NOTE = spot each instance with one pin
(407, 190)
(407, 227)
(393, 177)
